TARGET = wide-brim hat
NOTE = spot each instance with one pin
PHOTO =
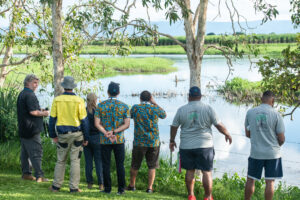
(68, 83)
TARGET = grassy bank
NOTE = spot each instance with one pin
(169, 184)
(240, 91)
(265, 49)
(97, 67)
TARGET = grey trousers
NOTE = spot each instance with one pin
(31, 155)
(70, 143)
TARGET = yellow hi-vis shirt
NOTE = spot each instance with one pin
(69, 110)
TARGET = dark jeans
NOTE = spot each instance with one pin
(93, 152)
(31, 155)
(119, 152)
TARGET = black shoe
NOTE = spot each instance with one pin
(106, 192)
(129, 188)
(149, 191)
(121, 193)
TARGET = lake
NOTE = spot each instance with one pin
(228, 158)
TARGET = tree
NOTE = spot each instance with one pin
(282, 75)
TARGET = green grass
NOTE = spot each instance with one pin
(273, 49)
(96, 68)
(240, 91)
(169, 184)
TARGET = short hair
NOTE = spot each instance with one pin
(267, 95)
(145, 96)
(29, 78)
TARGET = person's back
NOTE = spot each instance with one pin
(69, 110)
(145, 116)
(263, 123)
(264, 126)
(196, 119)
(112, 112)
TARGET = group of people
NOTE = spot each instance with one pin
(98, 129)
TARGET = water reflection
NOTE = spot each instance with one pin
(229, 158)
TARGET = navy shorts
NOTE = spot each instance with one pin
(272, 167)
(201, 158)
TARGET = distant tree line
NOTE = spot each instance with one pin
(211, 38)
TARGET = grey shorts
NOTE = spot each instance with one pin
(201, 158)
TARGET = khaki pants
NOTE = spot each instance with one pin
(70, 142)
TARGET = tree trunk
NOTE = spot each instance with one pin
(9, 49)
(195, 43)
(57, 53)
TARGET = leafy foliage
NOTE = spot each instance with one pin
(8, 113)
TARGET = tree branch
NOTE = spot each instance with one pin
(19, 62)
(35, 21)
(196, 16)
(291, 113)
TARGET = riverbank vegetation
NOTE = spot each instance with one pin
(95, 68)
(169, 184)
(272, 49)
(240, 91)
(211, 38)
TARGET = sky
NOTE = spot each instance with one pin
(245, 8)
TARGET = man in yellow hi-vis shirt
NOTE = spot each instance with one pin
(68, 114)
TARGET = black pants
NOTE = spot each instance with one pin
(31, 155)
(119, 152)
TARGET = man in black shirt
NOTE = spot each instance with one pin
(30, 124)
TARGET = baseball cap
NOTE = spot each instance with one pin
(194, 91)
(113, 88)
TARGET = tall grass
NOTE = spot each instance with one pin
(8, 113)
(168, 181)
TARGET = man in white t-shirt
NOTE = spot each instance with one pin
(264, 126)
(196, 142)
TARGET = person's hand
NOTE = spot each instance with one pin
(55, 140)
(228, 138)
(152, 101)
(113, 138)
(172, 146)
(45, 113)
(85, 143)
(108, 134)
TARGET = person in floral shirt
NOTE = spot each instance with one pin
(111, 119)
(146, 141)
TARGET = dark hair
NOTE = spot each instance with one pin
(268, 94)
(145, 96)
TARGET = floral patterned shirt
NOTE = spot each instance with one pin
(145, 116)
(112, 114)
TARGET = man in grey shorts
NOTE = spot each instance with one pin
(196, 143)
(264, 126)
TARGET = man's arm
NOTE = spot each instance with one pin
(247, 133)
(99, 126)
(280, 138)
(222, 129)
(173, 133)
(123, 126)
(39, 113)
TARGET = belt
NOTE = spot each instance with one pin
(70, 132)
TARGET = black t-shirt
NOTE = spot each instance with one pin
(28, 124)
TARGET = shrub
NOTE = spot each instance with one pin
(8, 113)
